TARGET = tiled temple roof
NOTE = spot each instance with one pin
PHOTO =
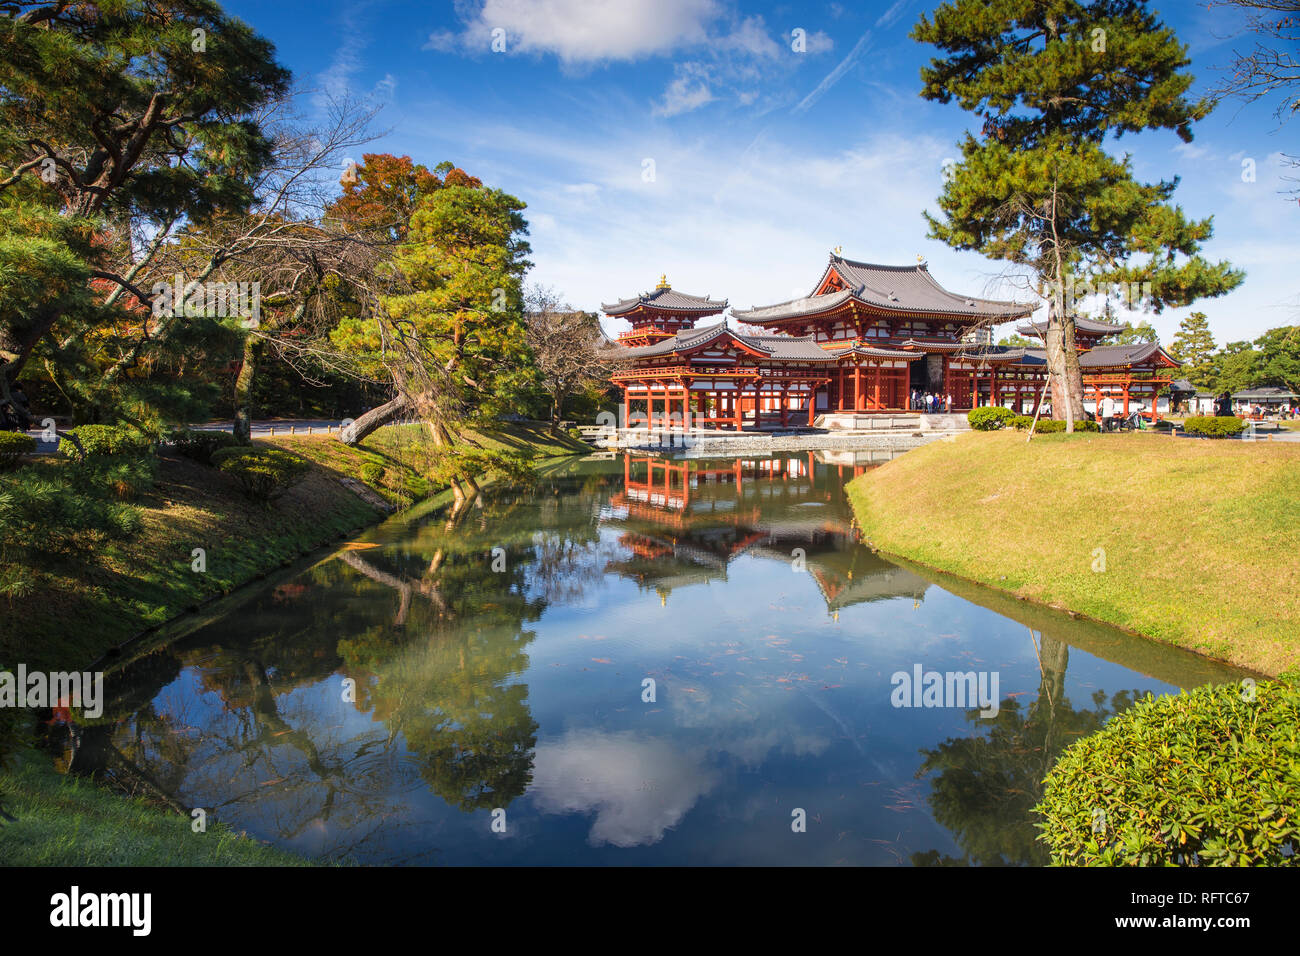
(785, 348)
(668, 300)
(1098, 357)
(1081, 324)
(903, 289)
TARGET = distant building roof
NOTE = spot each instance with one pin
(667, 299)
(1100, 356)
(903, 289)
(1264, 393)
(1081, 324)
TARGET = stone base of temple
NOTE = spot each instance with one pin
(868, 421)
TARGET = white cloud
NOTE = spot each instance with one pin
(683, 94)
(584, 31)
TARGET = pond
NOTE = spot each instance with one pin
(634, 661)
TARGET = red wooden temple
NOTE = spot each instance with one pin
(863, 341)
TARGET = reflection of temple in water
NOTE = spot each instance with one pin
(684, 521)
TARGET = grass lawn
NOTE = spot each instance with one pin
(63, 821)
(1200, 539)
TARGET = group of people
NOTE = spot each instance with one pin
(930, 402)
(1110, 421)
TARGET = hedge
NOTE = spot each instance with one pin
(1214, 426)
(107, 440)
(1207, 778)
(1048, 426)
(989, 418)
(264, 473)
(13, 445)
(200, 444)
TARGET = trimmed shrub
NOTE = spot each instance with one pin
(200, 444)
(372, 472)
(1048, 426)
(1209, 778)
(107, 440)
(1021, 422)
(264, 473)
(1213, 426)
(13, 445)
(989, 419)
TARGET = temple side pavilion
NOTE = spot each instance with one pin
(863, 340)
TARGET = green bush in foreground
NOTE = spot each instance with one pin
(1048, 426)
(107, 440)
(1020, 422)
(372, 472)
(13, 445)
(1213, 426)
(200, 444)
(1210, 778)
(989, 419)
(264, 473)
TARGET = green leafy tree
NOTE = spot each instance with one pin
(1235, 367)
(453, 337)
(1279, 358)
(132, 111)
(1132, 334)
(1052, 81)
(1017, 341)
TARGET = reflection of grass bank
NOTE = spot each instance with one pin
(63, 821)
(1199, 538)
(90, 597)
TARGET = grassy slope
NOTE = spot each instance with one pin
(1201, 539)
(104, 595)
(102, 598)
(63, 821)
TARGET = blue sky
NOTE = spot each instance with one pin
(763, 158)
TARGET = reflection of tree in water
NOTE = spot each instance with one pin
(985, 785)
(442, 675)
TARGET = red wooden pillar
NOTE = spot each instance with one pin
(842, 387)
(1125, 398)
(878, 371)
(857, 388)
(812, 404)
(785, 405)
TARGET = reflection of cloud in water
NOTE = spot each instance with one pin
(638, 787)
(744, 724)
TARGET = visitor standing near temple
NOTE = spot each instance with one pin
(1107, 413)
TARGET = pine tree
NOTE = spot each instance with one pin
(1194, 345)
(1052, 80)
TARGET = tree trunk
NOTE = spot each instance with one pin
(373, 419)
(244, 393)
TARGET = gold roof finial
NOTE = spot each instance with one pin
(663, 281)
(838, 250)
(920, 258)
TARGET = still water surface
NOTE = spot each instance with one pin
(500, 656)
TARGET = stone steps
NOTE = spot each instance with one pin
(852, 421)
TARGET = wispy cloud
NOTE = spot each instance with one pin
(834, 76)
